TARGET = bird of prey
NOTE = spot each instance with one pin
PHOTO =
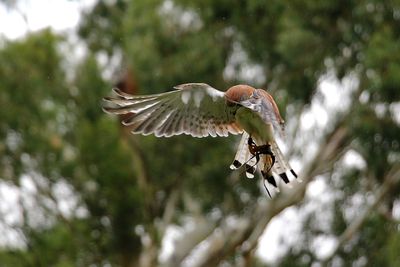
(199, 110)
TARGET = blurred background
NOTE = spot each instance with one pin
(77, 189)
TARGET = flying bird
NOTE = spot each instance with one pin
(199, 110)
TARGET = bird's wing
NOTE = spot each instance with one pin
(263, 103)
(195, 109)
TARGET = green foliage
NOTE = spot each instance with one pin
(391, 249)
(374, 253)
(106, 18)
(27, 90)
(54, 128)
(157, 43)
(382, 57)
(377, 135)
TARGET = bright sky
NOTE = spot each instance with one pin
(60, 15)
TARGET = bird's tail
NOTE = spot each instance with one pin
(281, 166)
(269, 165)
(276, 164)
(244, 158)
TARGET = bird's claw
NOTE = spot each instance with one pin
(260, 150)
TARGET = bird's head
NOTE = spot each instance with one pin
(239, 93)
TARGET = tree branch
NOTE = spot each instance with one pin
(246, 231)
(182, 247)
(390, 180)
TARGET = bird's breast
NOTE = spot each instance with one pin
(253, 124)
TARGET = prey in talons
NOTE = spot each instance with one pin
(256, 151)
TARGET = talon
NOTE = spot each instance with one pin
(257, 159)
(252, 146)
(249, 141)
(266, 150)
(260, 150)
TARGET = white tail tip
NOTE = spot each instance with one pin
(249, 175)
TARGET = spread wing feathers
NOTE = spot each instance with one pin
(244, 158)
(195, 109)
(281, 166)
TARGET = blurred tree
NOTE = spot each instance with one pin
(126, 190)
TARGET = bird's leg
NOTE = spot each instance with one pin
(266, 150)
(252, 146)
(257, 156)
(256, 151)
(253, 150)
(260, 150)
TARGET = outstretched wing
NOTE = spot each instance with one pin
(195, 109)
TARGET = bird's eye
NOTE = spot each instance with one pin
(255, 95)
